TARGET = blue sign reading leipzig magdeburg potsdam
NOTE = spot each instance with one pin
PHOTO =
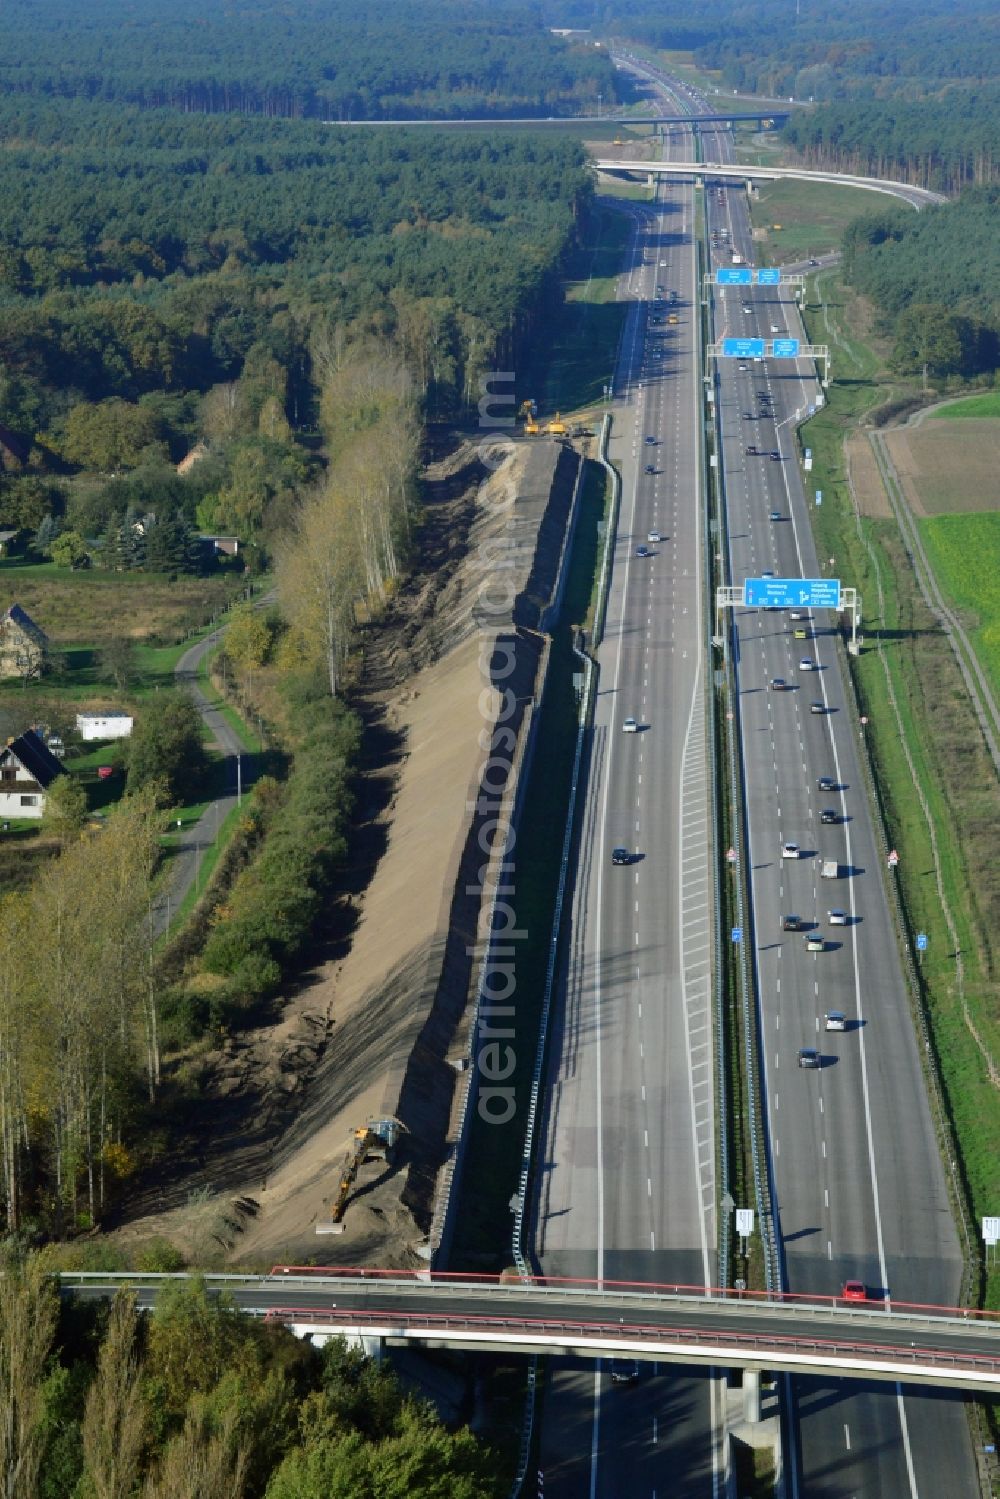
(791, 593)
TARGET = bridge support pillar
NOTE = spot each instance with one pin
(751, 1396)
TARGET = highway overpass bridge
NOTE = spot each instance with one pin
(757, 117)
(917, 197)
(879, 1340)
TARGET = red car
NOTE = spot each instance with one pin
(854, 1290)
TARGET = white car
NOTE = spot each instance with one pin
(775, 328)
(789, 850)
(630, 726)
(837, 918)
(814, 942)
(663, 262)
(835, 1020)
(653, 536)
(807, 664)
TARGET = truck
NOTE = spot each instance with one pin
(829, 869)
(737, 259)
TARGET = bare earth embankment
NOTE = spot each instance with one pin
(373, 1031)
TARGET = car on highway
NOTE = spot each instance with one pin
(800, 633)
(620, 856)
(624, 1371)
(653, 536)
(807, 664)
(775, 515)
(812, 262)
(650, 469)
(778, 684)
(854, 1290)
(747, 307)
(808, 1056)
(672, 317)
(775, 456)
(817, 707)
(835, 1020)
(828, 816)
(651, 441)
(659, 288)
(825, 783)
(748, 416)
(837, 918)
(630, 726)
(751, 450)
(789, 850)
(814, 942)
(791, 923)
(742, 368)
(642, 551)
(775, 328)
(797, 614)
(663, 262)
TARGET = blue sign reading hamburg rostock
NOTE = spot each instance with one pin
(791, 593)
(742, 348)
(736, 275)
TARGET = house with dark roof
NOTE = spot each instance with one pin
(23, 646)
(27, 769)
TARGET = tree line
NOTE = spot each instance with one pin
(933, 277)
(322, 59)
(947, 143)
(838, 50)
(196, 1400)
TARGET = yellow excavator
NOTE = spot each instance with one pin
(528, 412)
(374, 1141)
(557, 427)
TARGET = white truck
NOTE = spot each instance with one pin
(829, 869)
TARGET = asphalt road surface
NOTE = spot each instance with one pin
(628, 1185)
(860, 1188)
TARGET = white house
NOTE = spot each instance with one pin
(104, 725)
(27, 769)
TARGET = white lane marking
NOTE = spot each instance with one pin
(847, 1436)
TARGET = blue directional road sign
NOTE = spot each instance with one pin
(791, 593)
(786, 348)
(769, 277)
(736, 275)
(742, 348)
(921, 942)
(737, 934)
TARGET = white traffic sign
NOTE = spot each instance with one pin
(893, 859)
(991, 1230)
(744, 1222)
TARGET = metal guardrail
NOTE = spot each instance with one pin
(611, 530)
(755, 1098)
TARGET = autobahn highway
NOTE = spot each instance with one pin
(628, 1175)
(859, 1184)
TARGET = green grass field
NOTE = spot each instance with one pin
(812, 216)
(574, 356)
(988, 404)
(964, 551)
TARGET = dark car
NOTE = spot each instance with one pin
(620, 856)
(775, 456)
(651, 441)
(775, 515)
(828, 815)
(650, 469)
(825, 783)
(808, 1057)
(817, 707)
(751, 450)
(791, 923)
(624, 1371)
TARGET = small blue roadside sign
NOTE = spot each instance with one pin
(736, 275)
(921, 942)
(742, 348)
(819, 497)
(786, 348)
(791, 593)
(769, 277)
(737, 934)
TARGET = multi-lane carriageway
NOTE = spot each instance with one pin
(687, 1324)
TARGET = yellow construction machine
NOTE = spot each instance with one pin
(557, 427)
(528, 412)
(374, 1141)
